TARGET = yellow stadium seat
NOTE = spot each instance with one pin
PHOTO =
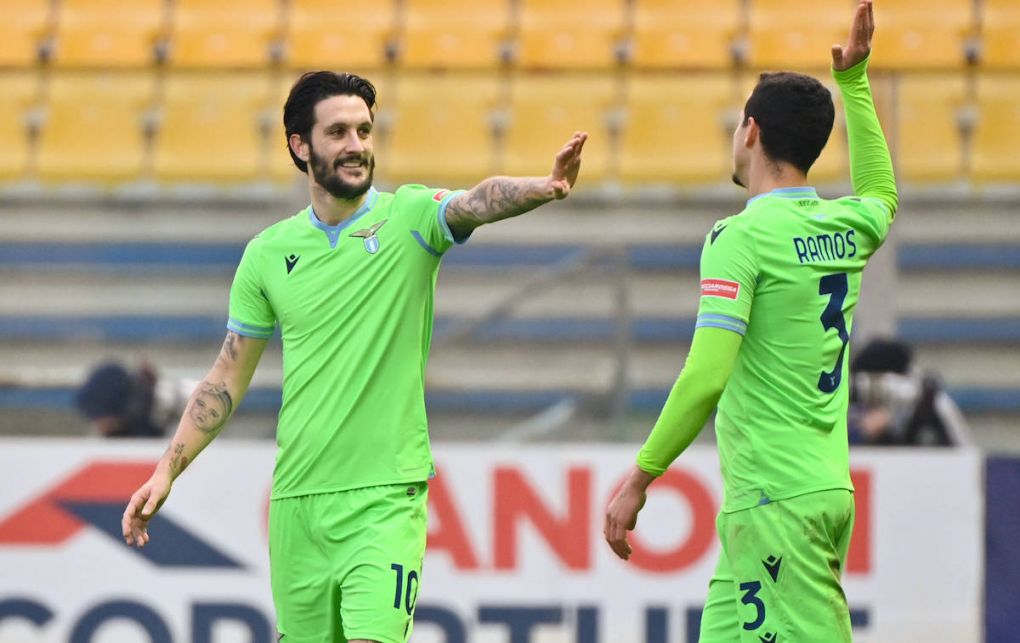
(22, 26)
(545, 110)
(997, 137)
(928, 138)
(108, 33)
(693, 33)
(281, 168)
(454, 34)
(678, 128)
(1000, 34)
(442, 130)
(18, 92)
(922, 34)
(322, 34)
(223, 34)
(834, 162)
(211, 128)
(569, 34)
(796, 35)
(94, 129)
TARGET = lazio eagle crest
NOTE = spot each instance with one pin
(368, 234)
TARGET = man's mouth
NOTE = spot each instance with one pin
(351, 164)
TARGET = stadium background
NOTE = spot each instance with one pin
(142, 146)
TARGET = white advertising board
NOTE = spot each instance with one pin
(515, 547)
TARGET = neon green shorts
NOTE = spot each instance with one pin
(778, 577)
(347, 565)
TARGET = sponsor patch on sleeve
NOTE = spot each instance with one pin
(720, 288)
(438, 196)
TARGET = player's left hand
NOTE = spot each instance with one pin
(858, 45)
(567, 165)
(621, 515)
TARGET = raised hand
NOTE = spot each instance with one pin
(858, 46)
(567, 165)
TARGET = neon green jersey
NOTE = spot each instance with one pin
(786, 273)
(354, 305)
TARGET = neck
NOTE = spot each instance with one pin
(331, 210)
(766, 175)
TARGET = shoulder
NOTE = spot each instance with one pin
(417, 193)
(282, 229)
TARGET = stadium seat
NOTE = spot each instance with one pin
(691, 34)
(23, 25)
(922, 34)
(928, 144)
(677, 128)
(223, 34)
(324, 35)
(211, 128)
(455, 34)
(569, 34)
(793, 34)
(18, 92)
(94, 129)
(108, 33)
(442, 130)
(1000, 34)
(545, 110)
(997, 137)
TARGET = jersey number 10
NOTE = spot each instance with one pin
(835, 286)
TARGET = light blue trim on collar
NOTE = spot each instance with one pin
(333, 231)
(798, 192)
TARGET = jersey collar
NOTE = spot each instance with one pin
(799, 192)
(333, 231)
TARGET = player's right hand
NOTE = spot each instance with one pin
(622, 512)
(143, 506)
(858, 45)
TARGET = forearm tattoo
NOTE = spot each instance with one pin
(178, 461)
(228, 354)
(499, 198)
(210, 407)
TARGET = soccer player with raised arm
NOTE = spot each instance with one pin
(350, 281)
(779, 282)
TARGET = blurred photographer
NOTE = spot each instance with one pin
(122, 403)
(892, 403)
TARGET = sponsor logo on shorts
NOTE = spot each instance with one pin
(412, 491)
(720, 288)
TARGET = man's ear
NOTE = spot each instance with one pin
(299, 147)
(752, 133)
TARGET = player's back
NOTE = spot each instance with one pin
(789, 266)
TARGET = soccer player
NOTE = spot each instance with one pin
(779, 282)
(350, 281)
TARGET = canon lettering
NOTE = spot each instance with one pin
(825, 247)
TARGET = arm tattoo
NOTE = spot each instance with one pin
(498, 198)
(210, 407)
(178, 461)
(228, 345)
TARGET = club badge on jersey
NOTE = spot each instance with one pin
(369, 235)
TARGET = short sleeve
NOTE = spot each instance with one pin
(251, 314)
(426, 209)
(729, 275)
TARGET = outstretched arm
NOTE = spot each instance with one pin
(502, 197)
(871, 169)
(208, 410)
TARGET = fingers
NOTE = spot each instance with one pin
(616, 536)
(837, 56)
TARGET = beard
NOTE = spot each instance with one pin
(325, 174)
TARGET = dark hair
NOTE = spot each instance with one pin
(795, 115)
(315, 86)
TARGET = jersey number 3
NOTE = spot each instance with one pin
(835, 286)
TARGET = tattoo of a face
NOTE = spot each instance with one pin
(210, 407)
